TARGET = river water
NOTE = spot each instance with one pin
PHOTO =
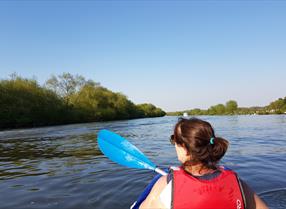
(61, 167)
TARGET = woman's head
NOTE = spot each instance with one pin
(196, 143)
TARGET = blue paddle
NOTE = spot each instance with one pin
(121, 151)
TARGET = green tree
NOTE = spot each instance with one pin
(195, 111)
(66, 84)
(24, 103)
(99, 103)
(218, 109)
(150, 110)
(231, 106)
(278, 106)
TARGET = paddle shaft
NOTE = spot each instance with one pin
(160, 171)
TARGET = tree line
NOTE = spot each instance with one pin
(64, 99)
(231, 108)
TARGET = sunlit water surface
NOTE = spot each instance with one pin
(61, 167)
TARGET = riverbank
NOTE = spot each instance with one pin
(65, 99)
(26, 126)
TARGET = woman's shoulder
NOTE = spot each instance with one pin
(152, 200)
(160, 184)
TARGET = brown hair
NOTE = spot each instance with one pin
(195, 135)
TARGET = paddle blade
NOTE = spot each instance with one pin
(121, 151)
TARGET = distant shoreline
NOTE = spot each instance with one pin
(231, 108)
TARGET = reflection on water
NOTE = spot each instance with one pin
(25, 156)
(61, 167)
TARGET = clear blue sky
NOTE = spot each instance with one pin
(175, 54)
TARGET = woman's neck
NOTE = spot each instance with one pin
(198, 170)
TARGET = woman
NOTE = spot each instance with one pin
(200, 183)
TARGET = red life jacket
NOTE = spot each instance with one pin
(221, 192)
